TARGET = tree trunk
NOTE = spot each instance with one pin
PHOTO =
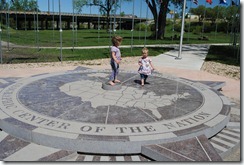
(162, 19)
(108, 21)
(159, 18)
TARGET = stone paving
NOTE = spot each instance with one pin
(68, 116)
(70, 111)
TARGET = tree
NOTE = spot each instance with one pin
(199, 11)
(19, 5)
(159, 9)
(106, 7)
(3, 5)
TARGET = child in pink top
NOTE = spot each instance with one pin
(146, 66)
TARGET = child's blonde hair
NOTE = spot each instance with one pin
(116, 40)
(144, 51)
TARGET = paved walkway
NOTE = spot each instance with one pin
(192, 57)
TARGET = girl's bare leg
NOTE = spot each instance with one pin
(142, 82)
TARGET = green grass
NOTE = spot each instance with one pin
(88, 37)
(229, 55)
(222, 54)
(91, 37)
(20, 55)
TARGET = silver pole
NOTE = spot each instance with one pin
(98, 27)
(115, 10)
(48, 6)
(37, 25)
(216, 28)
(73, 23)
(120, 17)
(204, 19)
(132, 28)
(34, 24)
(1, 57)
(7, 20)
(140, 22)
(145, 35)
(189, 24)
(53, 18)
(173, 28)
(76, 28)
(60, 30)
(182, 30)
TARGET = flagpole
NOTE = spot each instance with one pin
(140, 22)
(1, 56)
(203, 19)
(189, 22)
(37, 25)
(60, 31)
(216, 23)
(73, 22)
(182, 30)
(132, 28)
(173, 28)
(145, 34)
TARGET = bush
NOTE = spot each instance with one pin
(208, 28)
(197, 30)
(222, 27)
(224, 54)
(142, 27)
(177, 27)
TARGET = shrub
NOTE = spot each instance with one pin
(224, 54)
(222, 27)
(197, 30)
(208, 28)
(142, 27)
(177, 27)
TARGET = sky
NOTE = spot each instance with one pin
(139, 6)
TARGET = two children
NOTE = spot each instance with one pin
(144, 62)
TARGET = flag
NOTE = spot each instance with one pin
(223, 2)
(209, 1)
(195, 1)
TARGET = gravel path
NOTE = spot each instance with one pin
(222, 69)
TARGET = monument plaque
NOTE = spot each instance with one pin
(70, 110)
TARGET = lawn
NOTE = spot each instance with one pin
(37, 41)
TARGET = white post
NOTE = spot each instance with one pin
(132, 26)
(37, 26)
(60, 30)
(115, 10)
(145, 35)
(182, 30)
(73, 22)
(1, 57)
(48, 6)
(7, 23)
(53, 18)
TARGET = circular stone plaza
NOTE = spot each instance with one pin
(71, 111)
